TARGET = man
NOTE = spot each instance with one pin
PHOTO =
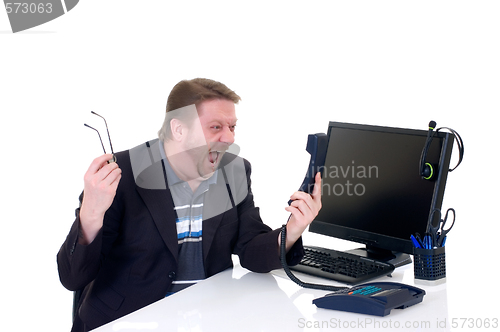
(171, 212)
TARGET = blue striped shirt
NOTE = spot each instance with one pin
(188, 206)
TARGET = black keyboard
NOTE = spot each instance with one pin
(341, 266)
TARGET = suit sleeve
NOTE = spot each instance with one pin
(79, 264)
(257, 244)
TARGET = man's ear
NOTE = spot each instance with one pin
(177, 129)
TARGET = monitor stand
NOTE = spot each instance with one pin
(392, 257)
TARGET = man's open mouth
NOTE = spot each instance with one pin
(213, 156)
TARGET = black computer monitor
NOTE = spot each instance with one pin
(372, 190)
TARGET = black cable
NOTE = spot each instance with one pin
(292, 276)
(460, 145)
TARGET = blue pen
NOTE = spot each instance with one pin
(443, 242)
(427, 241)
(415, 242)
(420, 242)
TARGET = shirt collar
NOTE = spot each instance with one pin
(172, 178)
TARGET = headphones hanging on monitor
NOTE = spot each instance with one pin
(428, 171)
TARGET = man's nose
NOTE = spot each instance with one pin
(227, 135)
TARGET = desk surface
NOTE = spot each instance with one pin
(240, 300)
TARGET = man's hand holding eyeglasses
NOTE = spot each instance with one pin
(100, 184)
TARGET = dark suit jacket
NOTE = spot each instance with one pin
(133, 260)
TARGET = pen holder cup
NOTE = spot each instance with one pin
(429, 265)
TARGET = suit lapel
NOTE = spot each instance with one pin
(215, 204)
(161, 207)
(152, 186)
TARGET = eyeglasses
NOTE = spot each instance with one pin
(109, 137)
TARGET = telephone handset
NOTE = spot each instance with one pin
(316, 146)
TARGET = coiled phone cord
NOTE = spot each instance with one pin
(292, 276)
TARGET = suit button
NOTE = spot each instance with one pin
(172, 275)
(72, 250)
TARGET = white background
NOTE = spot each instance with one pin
(296, 67)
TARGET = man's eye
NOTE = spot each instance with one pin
(218, 127)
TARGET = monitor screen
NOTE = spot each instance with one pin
(372, 190)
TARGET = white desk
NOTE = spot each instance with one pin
(239, 300)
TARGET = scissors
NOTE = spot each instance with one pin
(438, 232)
